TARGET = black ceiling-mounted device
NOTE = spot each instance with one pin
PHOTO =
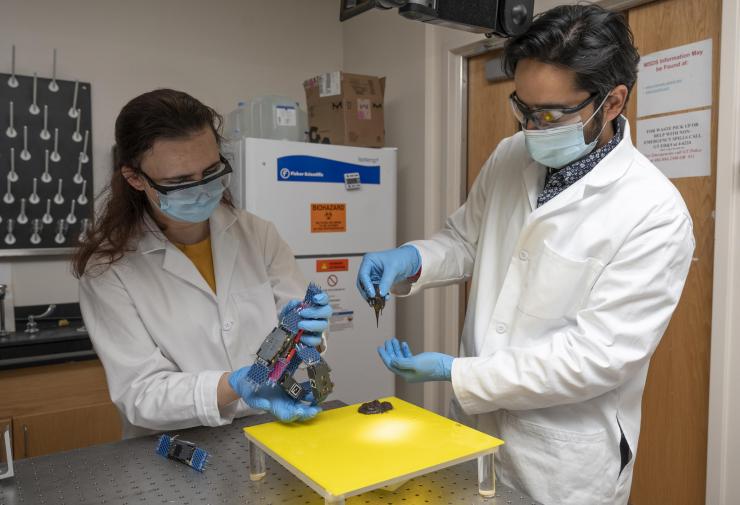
(503, 18)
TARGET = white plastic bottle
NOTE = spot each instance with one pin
(278, 118)
(237, 122)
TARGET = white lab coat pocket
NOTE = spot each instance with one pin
(556, 286)
(556, 467)
(254, 308)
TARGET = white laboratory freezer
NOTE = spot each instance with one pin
(331, 204)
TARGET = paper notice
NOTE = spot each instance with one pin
(679, 145)
(676, 79)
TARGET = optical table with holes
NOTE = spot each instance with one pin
(129, 472)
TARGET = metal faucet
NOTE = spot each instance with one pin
(3, 290)
(32, 326)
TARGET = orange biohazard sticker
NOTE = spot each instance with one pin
(332, 265)
(328, 217)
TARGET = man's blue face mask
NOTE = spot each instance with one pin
(561, 145)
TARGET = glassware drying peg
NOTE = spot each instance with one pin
(12, 175)
(46, 218)
(59, 238)
(71, 218)
(45, 135)
(53, 86)
(77, 136)
(34, 198)
(74, 111)
(22, 217)
(34, 108)
(10, 131)
(85, 227)
(9, 198)
(12, 80)
(83, 154)
(46, 176)
(9, 237)
(77, 179)
(59, 198)
(35, 236)
(25, 153)
(55, 153)
(82, 199)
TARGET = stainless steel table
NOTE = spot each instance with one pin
(129, 472)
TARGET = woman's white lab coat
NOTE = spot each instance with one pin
(568, 303)
(165, 338)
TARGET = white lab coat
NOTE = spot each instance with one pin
(568, 303)
(165, 338)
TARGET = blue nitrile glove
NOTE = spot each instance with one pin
(272, 398)
(314, 320)
(427, 366)
(386, 268)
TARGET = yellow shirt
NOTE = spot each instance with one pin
(202, 257)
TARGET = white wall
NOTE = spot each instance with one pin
(220, 52)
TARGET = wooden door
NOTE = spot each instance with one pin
(49, 432)
(671, 459)
(490, 119)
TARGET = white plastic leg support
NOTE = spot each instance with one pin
(257, 469)
(486, 476)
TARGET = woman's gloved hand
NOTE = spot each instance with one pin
(314, 320)
(426, 366)
(386, 268)
(271, 398)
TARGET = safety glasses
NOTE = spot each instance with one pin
(545, 118)
(221, 169)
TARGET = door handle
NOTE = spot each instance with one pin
(26, 436)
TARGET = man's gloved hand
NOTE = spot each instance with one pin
(427, 366)
(314, 320)
(271, 399)
(386, 268)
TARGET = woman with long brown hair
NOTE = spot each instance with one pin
(178, 288)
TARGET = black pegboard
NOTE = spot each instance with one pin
(58, 105)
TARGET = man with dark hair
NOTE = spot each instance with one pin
(578, 249)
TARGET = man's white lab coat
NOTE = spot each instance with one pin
(568, 303)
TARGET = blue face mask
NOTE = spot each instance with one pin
(556, 147)
(193, 205)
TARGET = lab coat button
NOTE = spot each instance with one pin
(500, 328)
(523, 255)
(228, 325)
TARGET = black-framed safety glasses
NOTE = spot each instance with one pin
(544, 118)
(219, 170)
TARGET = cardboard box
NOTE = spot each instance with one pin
(346, 109)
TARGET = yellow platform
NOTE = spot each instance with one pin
(344, 453)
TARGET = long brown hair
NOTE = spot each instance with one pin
(158, 114)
